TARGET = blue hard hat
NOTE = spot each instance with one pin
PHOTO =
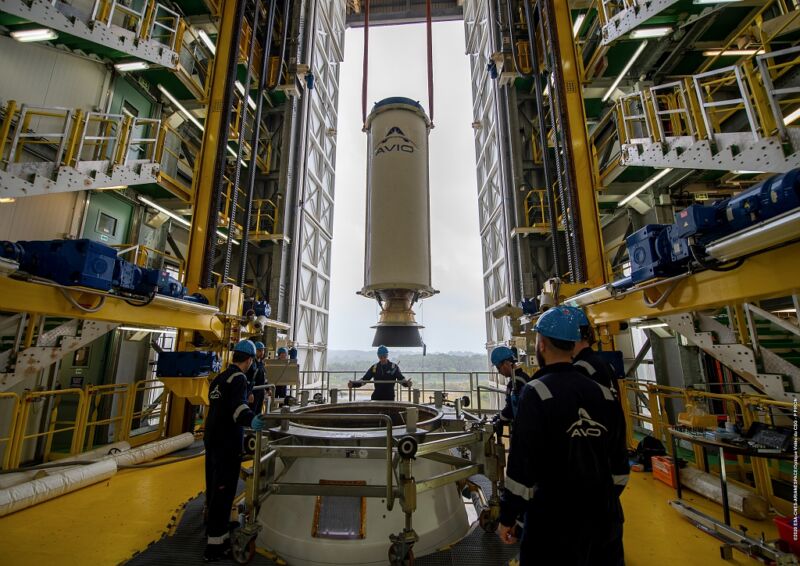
(580, 316)
(260, 346)
(246, 347)
(501, 354)
(559, 323)
(282, 350)
(383, 351)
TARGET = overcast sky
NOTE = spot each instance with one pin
(453, 319)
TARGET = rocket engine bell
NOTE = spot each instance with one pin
(397, 265)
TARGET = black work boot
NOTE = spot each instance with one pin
(216, 552)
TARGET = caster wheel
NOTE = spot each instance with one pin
(244, 554)
(396, 560)
(486, 522)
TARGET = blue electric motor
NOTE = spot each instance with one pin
(168, 285)
(187, 364)
(70, 262)
(766, 200)
(11, 250)
(649, 252)
(259, 308)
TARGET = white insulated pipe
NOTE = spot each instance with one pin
(67, 479)
(30, 493)
(7, 480)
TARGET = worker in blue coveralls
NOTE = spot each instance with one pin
(280, 390)
(257, 376)
(228, 413)
(586, 359)
(504, 360)
(385, 374)
(568, 461)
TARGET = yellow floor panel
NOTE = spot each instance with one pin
(108, 522)
(657, 534)
(105, 523)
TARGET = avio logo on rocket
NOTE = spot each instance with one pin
(397, 141)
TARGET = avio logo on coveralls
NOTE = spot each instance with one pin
(585, 426)
(397, 141)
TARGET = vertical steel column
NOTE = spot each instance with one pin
(202, 236)
(577, 151)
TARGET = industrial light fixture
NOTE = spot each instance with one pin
(31, 35)
(647, 33)
(153, 330)
(7, 200)
(207, 40)
(740, 172)
(624, 72)
(178, 217)
(181, 108)
(654, 325)
(791, 117)
(644, 187)
(576, 26)
(132, 66)
(250, 102)
(784, 311)
(716, 1)
(732, 52)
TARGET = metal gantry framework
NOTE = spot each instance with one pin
(481, 42)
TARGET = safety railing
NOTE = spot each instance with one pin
(8, 418)
(150, 258)
(536, 215)
(227, 204)
(66, 137)
(42, 131)
(194, 63)
(671, 110)
(635, 118)
(142, 141)
(611, 8)
(46, 407)
(783, 101)
(146, 19)
(106, 406)
(266, 218)
(148, 406)
(716, 104)
(177, 172)
(47, 425)
(480, 387)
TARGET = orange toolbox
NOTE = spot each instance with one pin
(664, 471)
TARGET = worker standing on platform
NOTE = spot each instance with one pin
(567, 462)
(280, 390)
(257, 376)
(228, 412)
(385, 374)
(586, 359)
(504, 360)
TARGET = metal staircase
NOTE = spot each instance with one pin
(56, 150)
(45, 346)
(145, 30)
(764, 368)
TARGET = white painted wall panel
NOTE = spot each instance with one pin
(38, 218)
(42, 76)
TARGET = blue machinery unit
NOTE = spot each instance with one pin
(87, 263)
(187, 364)
(663, 250)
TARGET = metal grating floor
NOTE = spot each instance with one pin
(185, 547)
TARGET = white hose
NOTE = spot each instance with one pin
(30, 493)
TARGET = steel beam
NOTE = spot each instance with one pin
(23, 296)
(775, 273)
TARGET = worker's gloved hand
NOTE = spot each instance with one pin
(407, 383)
(259, 422)
(350, 384)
